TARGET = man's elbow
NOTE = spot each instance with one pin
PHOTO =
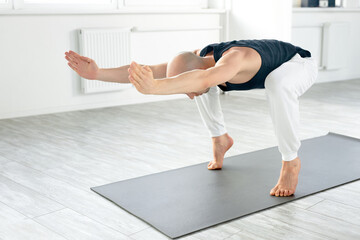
(209, 79)
(205, 81)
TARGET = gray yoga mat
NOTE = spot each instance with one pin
(185, 200)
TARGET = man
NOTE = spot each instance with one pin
(284, 70)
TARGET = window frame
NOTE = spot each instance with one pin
(153, 4)
(8, 5)
(15, 6)
(21, 4)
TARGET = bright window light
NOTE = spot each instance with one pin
(165, 2)
(67, 1)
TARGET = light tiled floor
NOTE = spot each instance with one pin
(48, 164)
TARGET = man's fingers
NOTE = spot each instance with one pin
(135, 69)
(67, 58)
(147, 68)
(72, 65)
(190, 95)
(85, 59)
(73, 68)
(74, 54)
(137, 66)
(76, 57)
(138, 71)
(143, 71)
(131, 79)
(134, 75)
(71, 54)
(133, 82)
(134, 66)
(71, 58)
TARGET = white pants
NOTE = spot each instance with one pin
(283, 87)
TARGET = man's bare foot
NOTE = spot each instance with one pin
(221, 145)
(288, 179)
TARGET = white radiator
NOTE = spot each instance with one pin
(335, 45)
(110, 48)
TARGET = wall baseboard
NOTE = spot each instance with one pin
(336, 79)
(80, 107)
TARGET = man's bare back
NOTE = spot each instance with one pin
(253, 63)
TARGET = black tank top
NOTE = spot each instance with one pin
(273, 53)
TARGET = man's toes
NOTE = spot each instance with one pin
(272, 192)
(281, 192)
(214, 166)
(211, 165)
(277, 193)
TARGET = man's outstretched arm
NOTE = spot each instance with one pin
(120, 74)
(192, 81)
(87, 68)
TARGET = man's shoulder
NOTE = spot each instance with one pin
(237, 52)
(197, 52)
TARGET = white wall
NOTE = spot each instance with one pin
(276, 19)
(35, 78)
(308, 33)
(260, 19)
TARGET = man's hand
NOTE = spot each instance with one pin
(142, 78)
(84, 66)
(192, 95)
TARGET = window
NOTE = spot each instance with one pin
(102, 4)
(166, 3)
(5, 4)
(67, 1)
(66, 4)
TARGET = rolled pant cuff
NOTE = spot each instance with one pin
(289, 157)
(218, 132)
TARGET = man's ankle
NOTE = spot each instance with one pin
(291, 164)
(220, 138)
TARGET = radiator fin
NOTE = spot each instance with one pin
(335, 45)
(110, 48)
